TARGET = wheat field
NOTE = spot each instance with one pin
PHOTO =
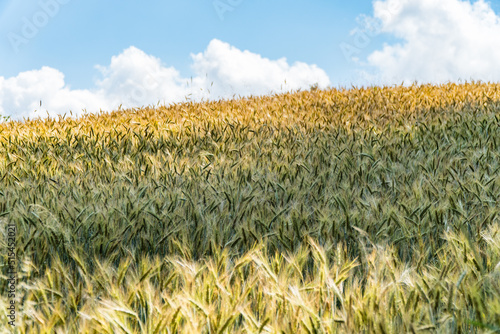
(361, 210)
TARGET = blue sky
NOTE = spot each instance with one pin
(71, 44)
(86, 33)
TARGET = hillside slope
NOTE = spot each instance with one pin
(358, 210)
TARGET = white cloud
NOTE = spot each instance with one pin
(20, 96)
(443, 40)
(134, 79)
(242, 72)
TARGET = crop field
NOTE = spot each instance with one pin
(362, 210)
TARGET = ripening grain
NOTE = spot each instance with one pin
(341, 211)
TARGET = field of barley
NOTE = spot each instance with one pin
(362, 210)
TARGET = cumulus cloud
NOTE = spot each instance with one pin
(134, 78)
(20, 96)
(242, 72)
(442, 41)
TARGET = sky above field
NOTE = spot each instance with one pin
(97, 55)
